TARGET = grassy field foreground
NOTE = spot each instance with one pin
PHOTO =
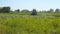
(27, 24)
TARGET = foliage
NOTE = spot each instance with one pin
(45, 23)
(51, 10)
(34, 12)
(17, 10)
(24, 23)
(24, 11)
(57, 10)
(5, 9)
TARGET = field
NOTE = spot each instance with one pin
(43, 23)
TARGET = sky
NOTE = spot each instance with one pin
(31, 4)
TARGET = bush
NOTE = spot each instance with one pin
(34, 12)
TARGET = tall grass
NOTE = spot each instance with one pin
(27, 24)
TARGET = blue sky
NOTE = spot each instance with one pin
(31, 4)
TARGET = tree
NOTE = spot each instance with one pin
(5, 9)
(18, 10)
(51, 10)
(0, 9)
(34, 12)
(25, 11)
(57, 10)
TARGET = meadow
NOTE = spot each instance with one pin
(17, 23)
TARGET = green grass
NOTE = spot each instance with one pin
(44, 23)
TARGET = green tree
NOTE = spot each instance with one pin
(0, 9)
(51, 10)
(25, 11)
(18, 10)
(34, 12)
(57, 10)
(5, 9)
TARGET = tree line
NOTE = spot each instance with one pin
(34, 11)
